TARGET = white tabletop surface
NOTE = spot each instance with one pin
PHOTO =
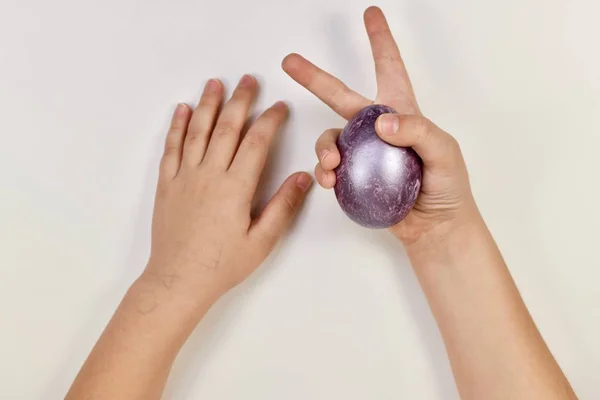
(86, 91)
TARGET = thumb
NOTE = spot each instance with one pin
(281, 210)
(436, 147)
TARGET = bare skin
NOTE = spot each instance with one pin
(495, 349)
(204, 240)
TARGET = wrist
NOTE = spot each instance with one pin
(165, 294)
(184, 281)
(447, 240)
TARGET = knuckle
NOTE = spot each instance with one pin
(176, 129)
(192, 133)
(421, 124)
(193, 137)
(171, 149)
(339, 95)
(326, 141)
(257, 139)
(387, 58)
(291, 203)
(224, 130)
(177, 126)
(423, 128)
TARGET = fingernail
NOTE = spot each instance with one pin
(246, 80)
(212, 85)
(388, 124)
(304, 181)
(280, 104)
(180, 110)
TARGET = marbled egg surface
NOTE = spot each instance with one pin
(377, 183)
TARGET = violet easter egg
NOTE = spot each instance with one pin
(377, 184)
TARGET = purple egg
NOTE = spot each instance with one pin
(377, 183)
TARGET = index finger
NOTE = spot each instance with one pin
(326, 87)
(392, 78)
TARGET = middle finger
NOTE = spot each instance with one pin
(226, 135)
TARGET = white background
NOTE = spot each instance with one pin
(86, 91)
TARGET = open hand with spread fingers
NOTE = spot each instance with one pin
(445, 201)
(203, 236)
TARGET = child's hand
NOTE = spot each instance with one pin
(204, 240)
(445, 201)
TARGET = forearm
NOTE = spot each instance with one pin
(495, 349)
(134, 355)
